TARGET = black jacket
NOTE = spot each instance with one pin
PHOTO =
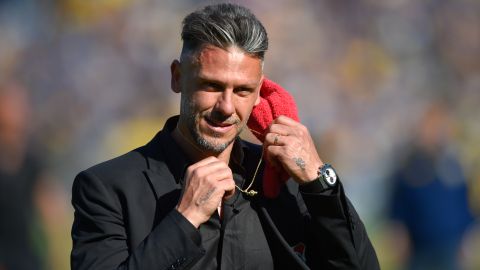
(125, 218)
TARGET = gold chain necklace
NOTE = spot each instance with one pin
(246, 191)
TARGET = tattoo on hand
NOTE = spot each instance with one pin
(205, 197)
(300, 163)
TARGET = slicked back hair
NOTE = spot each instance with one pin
(223, 26)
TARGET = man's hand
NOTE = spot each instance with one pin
(207, 183)
(288, 144)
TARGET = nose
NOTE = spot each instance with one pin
(225, 104)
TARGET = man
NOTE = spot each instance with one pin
(180, 201)
(429, 178)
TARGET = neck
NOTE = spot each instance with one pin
(194, 152)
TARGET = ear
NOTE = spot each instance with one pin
(257, 101)
(176, 75)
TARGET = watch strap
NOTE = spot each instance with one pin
(314, 186)
(320, 183)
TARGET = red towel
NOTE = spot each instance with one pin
(274, 101)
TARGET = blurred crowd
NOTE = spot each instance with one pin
(376, 82)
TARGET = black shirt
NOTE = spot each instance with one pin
(237, 240)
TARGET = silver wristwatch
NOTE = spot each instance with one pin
(327, 176)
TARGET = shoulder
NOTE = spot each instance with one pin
(119, 172)
(133, 160)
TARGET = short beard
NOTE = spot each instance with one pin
(192, 121)
(210, 146)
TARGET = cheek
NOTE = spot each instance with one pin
(193, 103)
(204, 100)
(244, 109)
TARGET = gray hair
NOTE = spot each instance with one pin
(224, 25)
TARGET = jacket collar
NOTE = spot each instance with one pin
(165, 158)
(167, 164)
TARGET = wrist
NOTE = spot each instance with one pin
(312, 173)
(326, 179)
(191, 216)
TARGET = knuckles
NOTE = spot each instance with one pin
(301, 131)
(195, 174)
(204, 175)
(189, 170)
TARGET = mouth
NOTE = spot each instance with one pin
(219, 127)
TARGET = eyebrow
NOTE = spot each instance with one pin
(206, 79)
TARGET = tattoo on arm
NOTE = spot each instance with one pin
(205, 197)
(300, 163)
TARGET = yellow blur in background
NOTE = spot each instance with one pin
(83, 81)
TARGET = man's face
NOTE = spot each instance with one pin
(219, 89)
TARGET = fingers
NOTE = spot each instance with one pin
(212, 171)
(278, 137)
(280, 129)
(201, 163)
(284, 120)
(207, 183)
(283, 126)
(288, 144)
(274, 139)
(229, 190)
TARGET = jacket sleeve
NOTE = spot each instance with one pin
(338, 239)
(100, 238)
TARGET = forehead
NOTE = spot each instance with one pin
(227, 63)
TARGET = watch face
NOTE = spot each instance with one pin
(330, 176)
